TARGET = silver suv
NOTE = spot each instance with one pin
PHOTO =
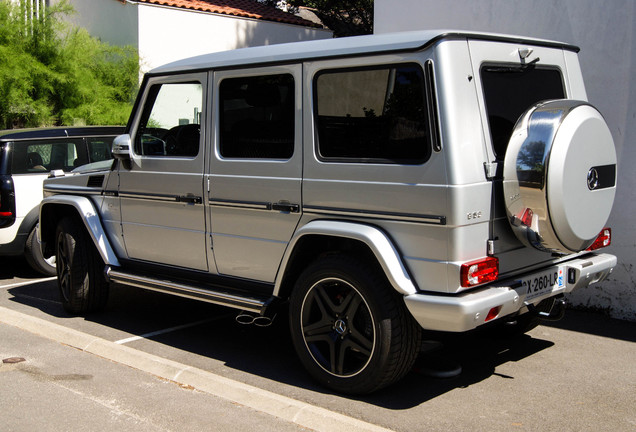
(375, 186)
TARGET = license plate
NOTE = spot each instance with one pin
(540, 284)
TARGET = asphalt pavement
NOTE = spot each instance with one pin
(151, 362)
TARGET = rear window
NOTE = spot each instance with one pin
(509, 91)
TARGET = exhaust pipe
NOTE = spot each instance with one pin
(246, 318)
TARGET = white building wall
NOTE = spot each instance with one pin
(606, 33)
(169, 34)
(165, 34)
(109, 20)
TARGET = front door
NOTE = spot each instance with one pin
(161, 190)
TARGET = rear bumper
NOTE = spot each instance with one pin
(12, 240)
(462, 312)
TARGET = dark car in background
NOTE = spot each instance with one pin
(27, 156)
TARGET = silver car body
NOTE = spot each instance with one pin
(247, 219)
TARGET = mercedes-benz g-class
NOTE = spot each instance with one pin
(377, 186)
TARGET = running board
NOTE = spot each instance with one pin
(250, 304)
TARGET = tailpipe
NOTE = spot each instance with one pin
(247, 318)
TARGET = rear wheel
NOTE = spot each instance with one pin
(350, 329)
(34, 256)
(80, 278)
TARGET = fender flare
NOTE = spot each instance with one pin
(378, 242)
(85, 209)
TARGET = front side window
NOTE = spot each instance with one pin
(374, 115)
(256, 117)
(171, 121)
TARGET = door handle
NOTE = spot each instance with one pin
(286, 207)
(190, 199)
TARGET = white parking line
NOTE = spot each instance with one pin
(29, 282)
(168, 330)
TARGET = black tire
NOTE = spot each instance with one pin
(34, 257)
(351, 330)
(80, 269)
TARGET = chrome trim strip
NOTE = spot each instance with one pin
(72, 189)
(149, 197)
(252, 205)
(429, 219)
(188, 291)
(188, 199)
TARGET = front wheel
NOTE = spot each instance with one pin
(350, 329)
(80, 277)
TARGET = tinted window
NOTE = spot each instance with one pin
(509, 92)
(44, 156)
(256, 116)
(376, 115)
(171, 121)
(99, 148)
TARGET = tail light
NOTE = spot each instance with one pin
(7, 202)
(604, 239)
(526, 218)
(479, 272)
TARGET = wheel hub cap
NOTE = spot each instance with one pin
(340, 326)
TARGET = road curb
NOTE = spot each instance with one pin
(291, 410)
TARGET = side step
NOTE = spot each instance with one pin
(212, 295)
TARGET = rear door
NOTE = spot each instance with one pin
(512, 78)
(161, 190)
(254, 185)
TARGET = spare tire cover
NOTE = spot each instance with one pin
(559, 176)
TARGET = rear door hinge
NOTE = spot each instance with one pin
(490, 169)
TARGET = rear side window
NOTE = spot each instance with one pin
(373, 115)
(256, 117)
(44, 156)
(509, 91)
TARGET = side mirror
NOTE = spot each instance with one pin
(121, 147)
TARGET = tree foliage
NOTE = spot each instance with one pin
(344, 17)
(54, 74)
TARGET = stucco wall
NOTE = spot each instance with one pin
(606, 33)
(109, 20)
(164, 34)
(168, 34)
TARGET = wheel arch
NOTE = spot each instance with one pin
(326, 236)
(30, 221)
(54, 208)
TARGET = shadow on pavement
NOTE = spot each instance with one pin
(16, 267)
(268, 352)
(596, 324)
